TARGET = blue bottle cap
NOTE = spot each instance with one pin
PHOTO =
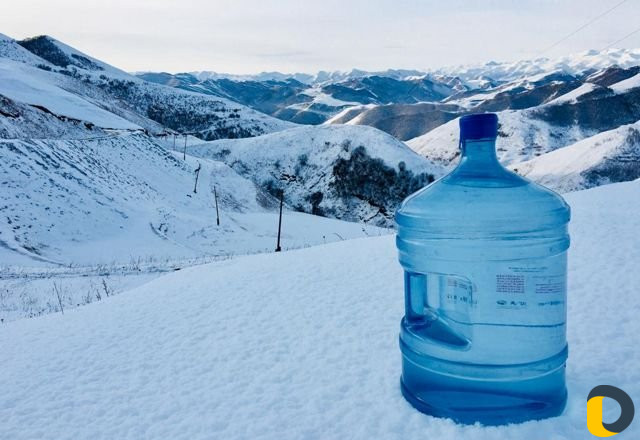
(479, 126)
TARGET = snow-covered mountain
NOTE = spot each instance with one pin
(42, 79)
(86, 140)
(311, 103)
(574, 64)
(300, 344)
(608, 101)
(394, 100)
(353, 173)
(322, 76)
(504, 71)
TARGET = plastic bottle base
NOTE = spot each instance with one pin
(489, 403)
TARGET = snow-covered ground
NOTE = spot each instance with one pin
(301, 344)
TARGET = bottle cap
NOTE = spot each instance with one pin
(479, 126)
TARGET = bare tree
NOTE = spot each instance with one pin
(106, 289)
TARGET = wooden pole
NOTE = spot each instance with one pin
(278, 248)
(184, 151)
(215, 196)
(195, 187)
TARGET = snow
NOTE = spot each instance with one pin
(476, 76)
(343, 117)
(30, 85)
(93, 91)
(608, 154)
(627, 84)
(302, 160)
(319, 97)
(520, 137)
(304, 139)
(301, 344)
(101, 67)
(481, 96)
(574, 64)
(10, 49)
(101, 204)
(573, 95)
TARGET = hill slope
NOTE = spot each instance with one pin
(314, 355)
(351, 173)
(115, 198)
(612, 156)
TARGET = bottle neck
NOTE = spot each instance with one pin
(479, 167)
(480, 153)
(478, 163)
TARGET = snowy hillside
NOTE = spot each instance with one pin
(20, 82)
(314, 355)
(612, 156)
(93, 217)
(520, 137)
(42, 79)
(10, 49)
(115, 198)
(607, 100)
(351, 173)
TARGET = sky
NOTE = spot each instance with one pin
(251, 36)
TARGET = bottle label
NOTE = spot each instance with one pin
(528, 292)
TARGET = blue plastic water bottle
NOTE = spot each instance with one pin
(484, 252)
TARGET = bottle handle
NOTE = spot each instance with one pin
(423, 320)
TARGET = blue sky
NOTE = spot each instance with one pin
(249, 36)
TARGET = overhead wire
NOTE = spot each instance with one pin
(621, 39)
(590, 22)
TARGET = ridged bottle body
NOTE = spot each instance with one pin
(484, 252)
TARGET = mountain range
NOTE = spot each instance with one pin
(408, 103)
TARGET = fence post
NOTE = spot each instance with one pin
(184, 150)
(195, 187)
(215, 196)
(278, 248)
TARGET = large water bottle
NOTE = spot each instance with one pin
(485, 258)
